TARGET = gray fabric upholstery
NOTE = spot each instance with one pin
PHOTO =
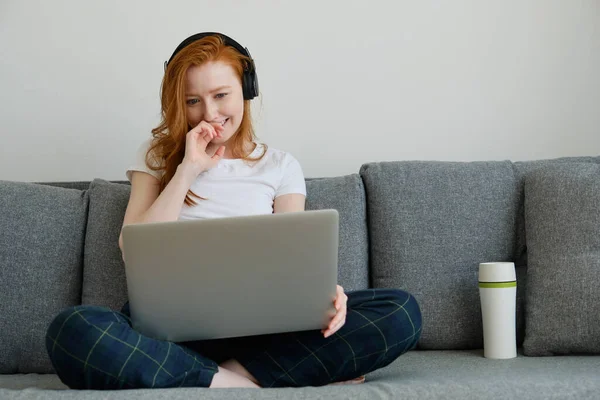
(430, 225)
(24, 381)
(521, 169)
(415, 375)
(104, 282)
(79, 185)
(41, 249)
(562, 220)
(347, 195)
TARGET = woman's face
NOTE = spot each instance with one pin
(213, 93)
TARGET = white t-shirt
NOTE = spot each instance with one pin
(237, 187)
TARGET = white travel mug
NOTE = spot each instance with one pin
(498, 293)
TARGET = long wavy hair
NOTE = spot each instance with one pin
(167, 147)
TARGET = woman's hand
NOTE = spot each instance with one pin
(196, 142)
(340, 317)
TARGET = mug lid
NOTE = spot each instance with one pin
(497, 272)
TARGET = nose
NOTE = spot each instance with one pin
(211, 111)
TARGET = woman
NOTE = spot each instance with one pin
(204, 161)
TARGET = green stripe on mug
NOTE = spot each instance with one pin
(497, 285)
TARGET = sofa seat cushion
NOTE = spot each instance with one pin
(418, 375)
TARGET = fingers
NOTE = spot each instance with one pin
(210, 131)
(336, 321)
(341, 299)
(202, 125)
(219, 153)
(217, 156)
(206, 136)
(200, 134)
(215, 128)
(197, 142)
(340, 318)
(218, 127)
(334, 327)
(206, 131)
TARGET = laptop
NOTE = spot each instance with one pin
(230, 277)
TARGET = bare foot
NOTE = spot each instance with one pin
(229, 379)
(355, 381)
(234, 366)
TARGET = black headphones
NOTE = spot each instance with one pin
(249, 78)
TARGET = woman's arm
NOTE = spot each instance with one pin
(145, 203)
(289, 203)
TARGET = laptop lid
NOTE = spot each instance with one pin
(236, 276)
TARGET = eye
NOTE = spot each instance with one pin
(191, 102)
(221, 95)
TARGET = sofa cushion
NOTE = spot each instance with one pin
(347, 195)
(41, 252)
(562, 220)
(416, 375)
(19, 382)
(430, 225)
(522, 169)
(104, 281)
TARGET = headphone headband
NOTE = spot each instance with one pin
(249, 79)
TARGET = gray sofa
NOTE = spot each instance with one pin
(415, 225)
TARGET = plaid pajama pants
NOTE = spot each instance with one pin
(96, 348)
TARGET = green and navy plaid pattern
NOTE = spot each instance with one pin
(96, 348)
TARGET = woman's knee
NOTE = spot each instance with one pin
(395, 313)
(70, 333)
(406, 321)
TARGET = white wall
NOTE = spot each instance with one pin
(342, 82)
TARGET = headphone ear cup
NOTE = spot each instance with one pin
(246, 86)
(250, 85)
(254, 84)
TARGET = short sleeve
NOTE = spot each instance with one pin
(139, 162)
(292, 180)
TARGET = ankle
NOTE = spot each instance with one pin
(234, 366)
(229, 379)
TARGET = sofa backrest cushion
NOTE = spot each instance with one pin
(347, 195)
(42, 230)
(104, 282)
(562, 220)
(430, 225)
(522, 169)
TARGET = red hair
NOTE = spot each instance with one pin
(168, 145)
